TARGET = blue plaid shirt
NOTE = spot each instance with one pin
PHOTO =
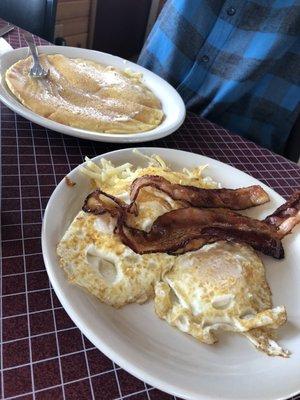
(234, 62)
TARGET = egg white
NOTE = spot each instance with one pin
(94, 258)
(221, 286)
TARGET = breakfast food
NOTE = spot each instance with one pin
(221, 286)
(190, 228)
(234, 199)
(87, 95)
(95, 258)
(152, 232)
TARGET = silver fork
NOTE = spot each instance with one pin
(37, 71)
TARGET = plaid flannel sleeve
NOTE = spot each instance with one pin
(235, 62)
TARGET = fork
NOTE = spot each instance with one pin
(37, 71)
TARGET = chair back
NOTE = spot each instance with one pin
(35, 16)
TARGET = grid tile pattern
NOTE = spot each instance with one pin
(43, 355)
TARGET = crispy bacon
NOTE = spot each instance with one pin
(234, 199)
(286, 216)
(190, 228)
(99, 202)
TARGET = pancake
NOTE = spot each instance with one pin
(86, 95)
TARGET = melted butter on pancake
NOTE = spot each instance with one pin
(86, 95)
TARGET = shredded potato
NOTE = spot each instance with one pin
(117, 179)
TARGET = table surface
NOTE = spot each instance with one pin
(43, 354)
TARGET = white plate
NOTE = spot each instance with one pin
(172, 103)
(149, 348)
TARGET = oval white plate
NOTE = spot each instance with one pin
(172, 103)
(153, 351)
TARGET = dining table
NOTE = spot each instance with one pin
(43, 354)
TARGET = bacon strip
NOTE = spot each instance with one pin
(99, 202)
(286, 216)
(190, 228)
(234, 199)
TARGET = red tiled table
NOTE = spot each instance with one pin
(43, 354)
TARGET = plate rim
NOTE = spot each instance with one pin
(136, 371)
(138, 137)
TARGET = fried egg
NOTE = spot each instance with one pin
(94, 258)
(221, 286)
